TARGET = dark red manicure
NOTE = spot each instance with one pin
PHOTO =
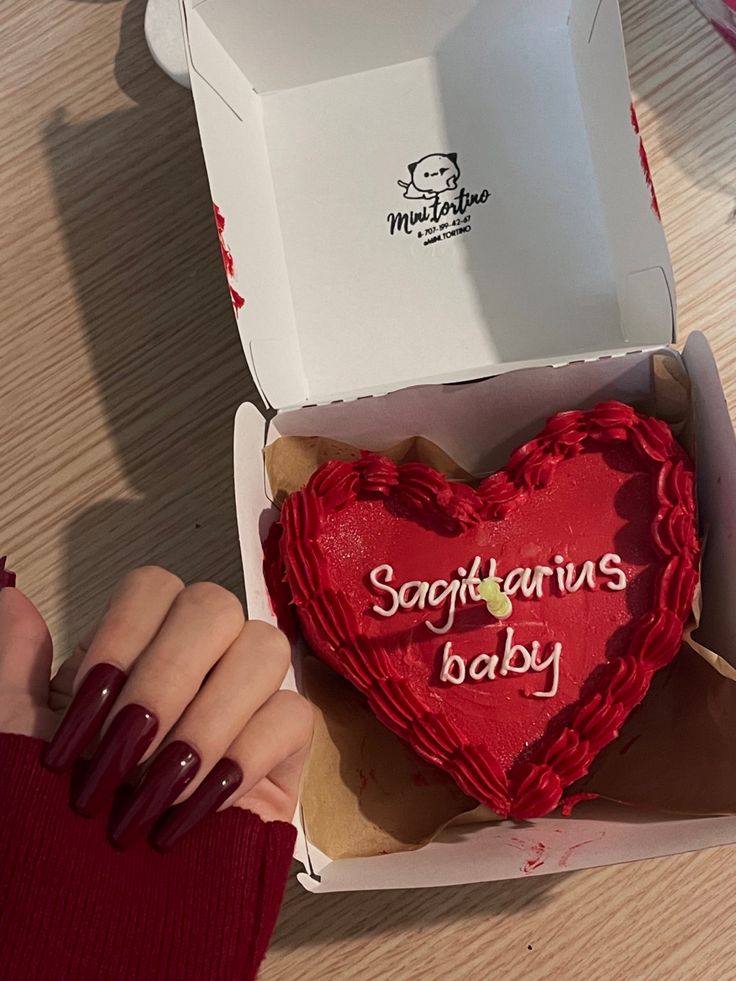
(85, 716)
(130, 734)
(214, 790)
(7, 578)
(169, 773)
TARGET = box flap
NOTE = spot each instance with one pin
(600, 835)
(467, 196)
(293, 43)
(716, 455)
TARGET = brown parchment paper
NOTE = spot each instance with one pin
(366, 792)
(291, 460)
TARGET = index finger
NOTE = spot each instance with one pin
(135, 614)
(137, 610)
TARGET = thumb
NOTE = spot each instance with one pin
(25, 650)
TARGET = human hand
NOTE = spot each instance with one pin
(173, 687)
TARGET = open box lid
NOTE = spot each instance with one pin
(425, 192)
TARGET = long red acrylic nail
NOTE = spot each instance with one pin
(85, 716)
(167, 776)
(129, 735)
(217, 786)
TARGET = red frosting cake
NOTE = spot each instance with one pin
(505, 630)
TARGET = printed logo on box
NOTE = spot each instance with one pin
(446, 210)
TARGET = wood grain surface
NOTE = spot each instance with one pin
(120, 371)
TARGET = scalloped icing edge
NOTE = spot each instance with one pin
(533, 787)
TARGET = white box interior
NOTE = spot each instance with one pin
(311, 112)
(506, 410)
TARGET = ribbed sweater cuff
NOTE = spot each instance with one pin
(72, 907)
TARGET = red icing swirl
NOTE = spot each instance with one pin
(377, 474)
(534, 787)
(335, 484)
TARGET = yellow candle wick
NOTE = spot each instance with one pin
(498, 603)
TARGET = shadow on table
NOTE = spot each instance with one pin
(134, 205)
(675, 107)
(307, 919)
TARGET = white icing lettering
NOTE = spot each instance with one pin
(516, 659)
(529, 583)
(463, 589)
(471, 582)
(451, 591)
(559, 573)
(483, 666)
(383, 587)
(607, 566)
(511, 651)
(413, 594)
(512, 582)
(452, 663)
(433, 599)
(540, 573)
(552, 661)
(585, 576)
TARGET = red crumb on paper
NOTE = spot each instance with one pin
(238, 301)
(565, 857)
(572, 802)
(644, 159)
(627, 746)
(228, 262)
(7, 578)
(535, 860)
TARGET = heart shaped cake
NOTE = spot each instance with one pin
(505, 630)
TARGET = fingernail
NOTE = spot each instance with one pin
(214, 790)
(128, 737)
(169, 773)
(85, 716)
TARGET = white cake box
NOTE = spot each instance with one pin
(423, 194)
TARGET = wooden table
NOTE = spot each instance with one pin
(120, 371)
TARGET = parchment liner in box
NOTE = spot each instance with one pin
(367, 793)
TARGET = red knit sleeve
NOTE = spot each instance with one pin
(74, 908)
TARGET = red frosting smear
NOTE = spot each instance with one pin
(7, 578)
(227, 256)
(568, 853)
(237, 300)
(570, 803)
(278, 591)
(606, 481)
(228, 262)
(644, 159)
(726, 32)
(536, 860)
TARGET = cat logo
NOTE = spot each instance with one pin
(431, 176)
(443, 205)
